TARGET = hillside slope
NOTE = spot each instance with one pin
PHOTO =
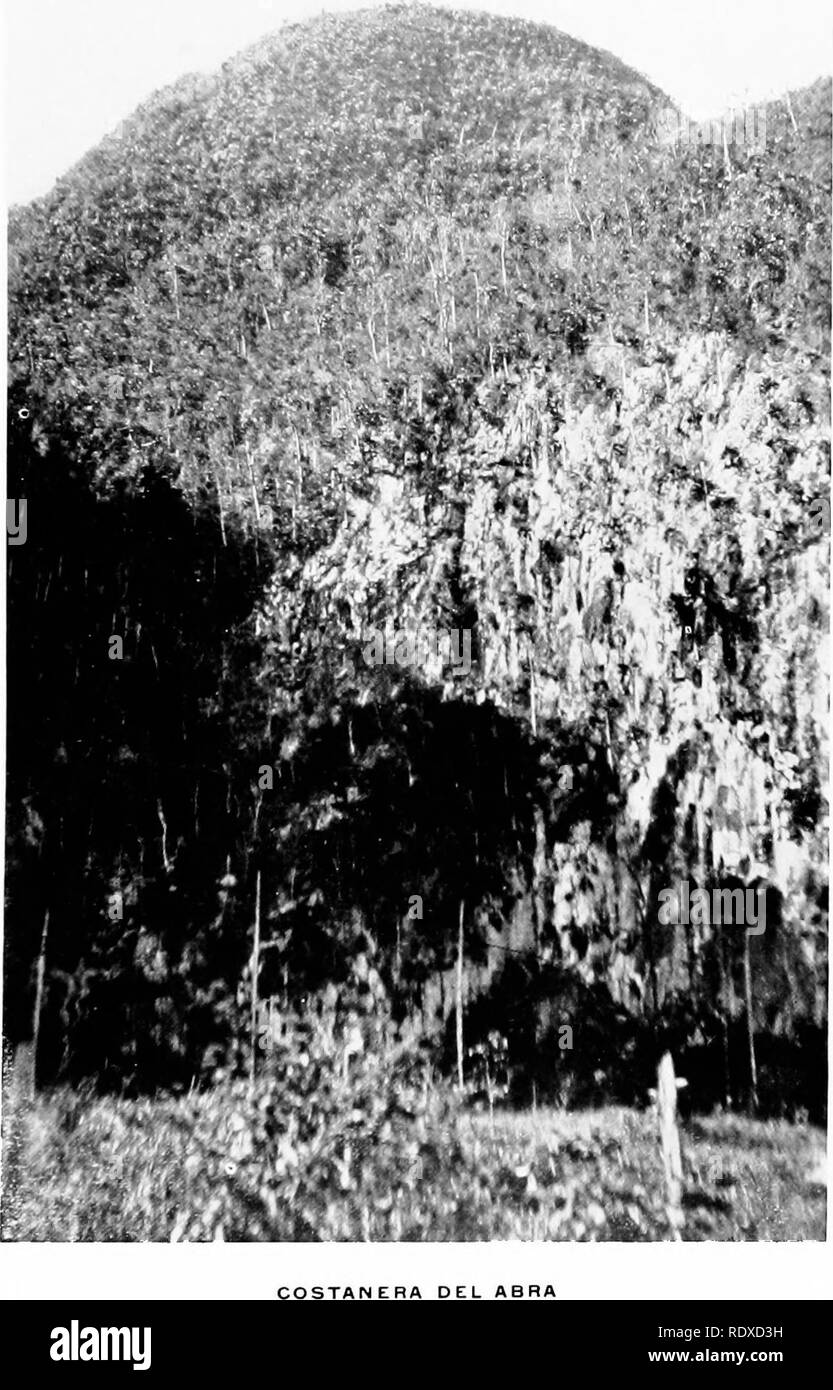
(410, 320)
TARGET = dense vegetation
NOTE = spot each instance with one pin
(387, 1152)
(410, 317)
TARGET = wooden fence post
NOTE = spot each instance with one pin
(669, 1138)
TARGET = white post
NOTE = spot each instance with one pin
(669, 1138)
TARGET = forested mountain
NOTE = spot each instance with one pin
(414, 320)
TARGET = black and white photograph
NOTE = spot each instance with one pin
(416, 626)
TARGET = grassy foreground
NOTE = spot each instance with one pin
(390, 1162)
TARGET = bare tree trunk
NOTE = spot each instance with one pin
(648, 947)
(39, 978)
(539, 900)
(222, 514)
(253, 484)
(459, 996)
(791, 113)
(724, 1021)
(255, 972)
(750, 1026)
(174, 285)
(727, 163)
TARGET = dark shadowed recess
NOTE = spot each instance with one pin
(118, 766)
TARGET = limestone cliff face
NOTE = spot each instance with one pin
(642, 563)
